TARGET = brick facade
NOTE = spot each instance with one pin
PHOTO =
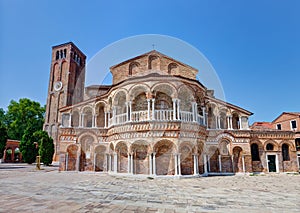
(157, 119)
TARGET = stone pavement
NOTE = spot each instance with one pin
(24, 189)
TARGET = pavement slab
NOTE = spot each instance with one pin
(25, 189)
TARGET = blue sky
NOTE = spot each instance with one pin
(254, 46)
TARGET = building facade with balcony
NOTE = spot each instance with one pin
(155, 119)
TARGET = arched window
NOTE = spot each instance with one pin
(88, 118)
(57, 55)
(153, 62)
(285, 152)
(255, 152)
(223, 120)
(224, 147)
(270, 147)
(75, 119)
(133, 68)
(171, 67)
(65, 53)
(65, 120)
(211, 118)
(235, 121)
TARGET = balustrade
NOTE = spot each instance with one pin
(186, 116)
(164, 115)
(139, 116)
(145, 115)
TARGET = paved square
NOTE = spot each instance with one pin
(24, 189)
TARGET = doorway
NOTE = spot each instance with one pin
(272, 163)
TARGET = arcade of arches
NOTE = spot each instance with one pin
(155, 119)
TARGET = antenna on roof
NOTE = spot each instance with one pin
(153, 46)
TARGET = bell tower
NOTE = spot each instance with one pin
(66, 85)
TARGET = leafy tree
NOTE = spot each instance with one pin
(3, 138)
(28, 145)
(3, 132)
(46, 146)
(22, 115)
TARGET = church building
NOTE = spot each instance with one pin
(156, 119)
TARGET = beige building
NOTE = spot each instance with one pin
(155, 119)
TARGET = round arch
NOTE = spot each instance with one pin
(237, 152)
(164, 153)
(275, 145)
(100, 158)
(121, 148)
(167, 88)
(72, 151)
(137, 89)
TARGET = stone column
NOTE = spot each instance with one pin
(130, 110)
(153, 109)
(131, 163)
(127, 112)
(179, 168)
(204, 115)
(114, 115)
(67, 161)
(93, 121)
(205, 164)
(128, 159)
(176, 164)
(154, 164)
(219, 122)
(196, 164)
(78, 160)
(150, 164)
(178, 109)
(220, 163)
(243, 162)
(115, 162)
(208, 163)
(193, 111)
(81, 120)
(228, 122)
(240, 122)
(174, 109)
(105, 119)
(148, 114)
(95, 158)
(70, 119)
(109, 162)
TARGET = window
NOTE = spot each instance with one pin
(270, 147)
(294, 124)
(254, 152)
(278, 126)
(285, 152)
(57, 55)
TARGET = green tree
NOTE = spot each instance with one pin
(3, 132)
(22, 115)
(28, 145)
(46, 146)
